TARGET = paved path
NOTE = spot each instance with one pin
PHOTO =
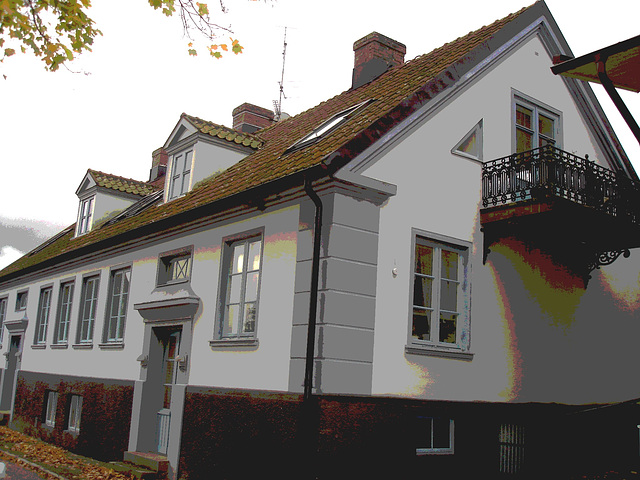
(17, 472)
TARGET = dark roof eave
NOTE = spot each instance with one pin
(254, 194)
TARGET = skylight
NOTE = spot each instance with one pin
(328, 126)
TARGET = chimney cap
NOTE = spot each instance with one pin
(383, 39)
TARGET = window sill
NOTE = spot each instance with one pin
(59, 346)
(173, 282)
(111, 345)
(233, 343)
(82, 346)
(39, 346)
(432, 351)
(426, 451)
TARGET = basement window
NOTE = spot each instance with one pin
(328, 126)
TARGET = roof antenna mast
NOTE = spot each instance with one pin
(277, 104)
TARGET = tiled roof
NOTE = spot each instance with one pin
(121, 184)
(397, 93)
(225, 133)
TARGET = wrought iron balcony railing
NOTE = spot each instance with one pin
(549, 172)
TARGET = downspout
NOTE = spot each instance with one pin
(615, 96)
(313, 296)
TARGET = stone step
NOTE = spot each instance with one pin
(152, 461)
(135, 471)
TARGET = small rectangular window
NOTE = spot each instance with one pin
(117, 304)
(434, 436)
(242, 262)
(64, 313)
(85, 216)
(42, 322)
(88, 307)
(174, 267)
(21, 301)
(180, 174)
(75, 412)
(51, 405)
(3, 315)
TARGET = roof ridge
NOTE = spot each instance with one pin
(251, 136)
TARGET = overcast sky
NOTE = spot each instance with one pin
(129, 92)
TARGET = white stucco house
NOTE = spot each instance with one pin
(435, 270)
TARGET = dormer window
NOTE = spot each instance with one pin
(85, 216)
(180, 174)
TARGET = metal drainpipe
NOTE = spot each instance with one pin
(313, 300)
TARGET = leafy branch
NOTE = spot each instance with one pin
(58, 31)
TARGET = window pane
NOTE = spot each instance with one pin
(448, 323)
(238, 259)
(234, 291)
(251, 293)
(254, 255)
(449, 295)
(249, 318)
(545, 141)
(421, 328)
(230, 326)
(449, 265)
(422, 287)
(523, 116)
(524, 141)
(424, 259)
(545, 126)
(441, 433)
(470, 144)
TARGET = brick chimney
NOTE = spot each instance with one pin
(158, 164)
(374, 54)
(250, 118)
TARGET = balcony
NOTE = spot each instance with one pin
(581, 213)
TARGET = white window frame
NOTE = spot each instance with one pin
(537, 108)
(227, 273)
(328, 126)
(88, 308)
(119, 279)
(85, 215)
(44, 312)
(3, 315)
(65, 304)
(51, 407)
(179, 176)
(175, 267)
(461, 347)
(438, 450)
(477, 131)
(75, 413)
(21, 300)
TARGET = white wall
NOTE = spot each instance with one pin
(535, 340)
(208, 159)
(108, 204)
(266, 367)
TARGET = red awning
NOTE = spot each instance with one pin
(622, 65)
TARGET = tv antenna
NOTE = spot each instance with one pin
(277, 104)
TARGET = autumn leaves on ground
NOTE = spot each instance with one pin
(52, 458)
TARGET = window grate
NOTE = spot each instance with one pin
(511, 448)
